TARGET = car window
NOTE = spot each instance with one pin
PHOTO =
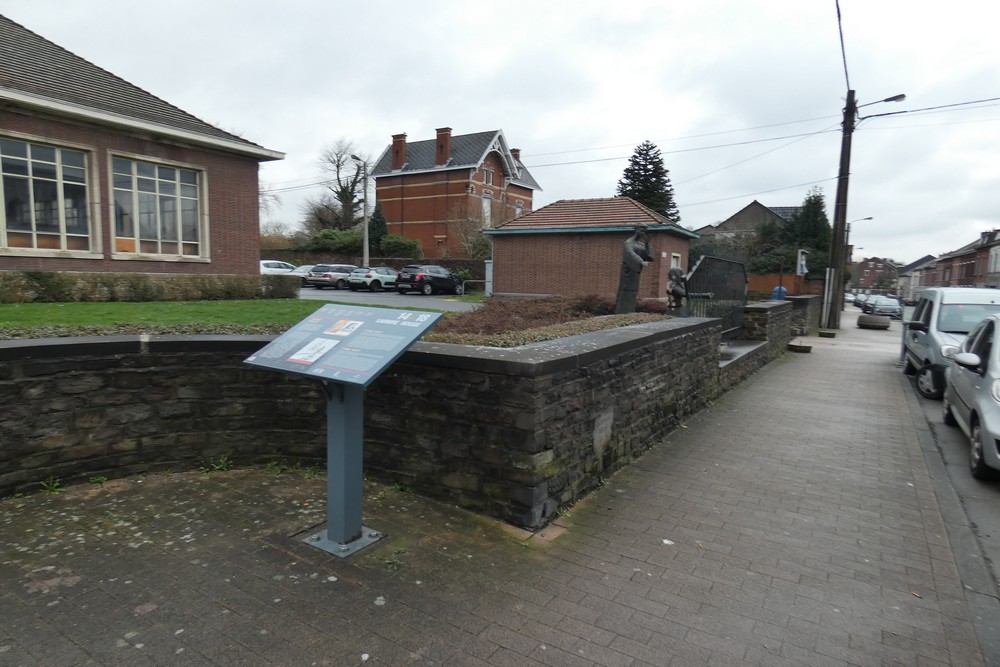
(981, 344)
(923, 312)
(961, 318)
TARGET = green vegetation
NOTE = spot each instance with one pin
(52, 485)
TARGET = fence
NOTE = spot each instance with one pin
(718, 288)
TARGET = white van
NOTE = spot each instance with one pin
(941, 320)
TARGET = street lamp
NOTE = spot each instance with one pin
(364, 227)
(838, 247)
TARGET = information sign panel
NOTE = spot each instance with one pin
(346, 347)
(349, 344)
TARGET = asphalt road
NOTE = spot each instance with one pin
(389, 299)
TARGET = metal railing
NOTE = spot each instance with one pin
(718, 288)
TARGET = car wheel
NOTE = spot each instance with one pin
(375, 286)
(977, 464)
(928, 383)
(459, 289)
(318, 286)
(947, 416)
(341, 284)
(427, 289)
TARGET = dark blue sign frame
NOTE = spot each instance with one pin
(346, 347)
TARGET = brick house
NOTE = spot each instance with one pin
(97, 174)
(443, 191)
(748, 219)
(874, 273)
(574, 247)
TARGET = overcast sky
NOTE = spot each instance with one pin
(743, 97)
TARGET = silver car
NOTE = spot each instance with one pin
(972, 395)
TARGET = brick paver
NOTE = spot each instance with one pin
(793, 523)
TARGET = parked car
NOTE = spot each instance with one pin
(329, 275)
(848, 297)
(274, 267)
(972, 395)
(885, 305)
(942, 318)
(428, 279)
(374, 279)
(859, 300)
(302, 272)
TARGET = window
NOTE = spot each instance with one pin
(487, 176)
(157, 208)
(44, 193)
(487, 208)
(675, 260)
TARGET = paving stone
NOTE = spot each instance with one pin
(792, 523)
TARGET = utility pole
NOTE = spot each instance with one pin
(838, 247)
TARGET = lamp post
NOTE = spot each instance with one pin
(838, 247)
(849, 251)
(364, 214)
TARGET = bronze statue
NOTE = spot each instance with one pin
(636, 254)
(676, 291)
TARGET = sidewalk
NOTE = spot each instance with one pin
(793, 523)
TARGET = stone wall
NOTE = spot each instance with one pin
(515, 433)
(805, 314)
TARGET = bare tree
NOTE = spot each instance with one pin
(346, 179)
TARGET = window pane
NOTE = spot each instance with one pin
(16, 203)
(124, 215)
(147, 216)
(168, 188)
(72, 158)
(147, 185)
(145, 169)
(189, 177)
(121, 166)
(43, 170)
(75, 207)
(123, 181)
(168, 218)
(12, 147)
(189, 191)
(14, 166)
(46, 206)
(167, 174)
(44, 153)
(189, 220)
(73, 174)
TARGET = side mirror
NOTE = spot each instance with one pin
(967, 359)
(916, 326)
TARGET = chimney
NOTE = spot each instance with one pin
(443, 146)
(398, 151)
(516, 152)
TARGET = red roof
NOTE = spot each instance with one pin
(606, 214)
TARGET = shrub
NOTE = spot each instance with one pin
(40, 286)
(394, 245)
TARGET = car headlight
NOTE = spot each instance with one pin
(995, 390)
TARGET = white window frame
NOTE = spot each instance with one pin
(68, 169)
(175, 232)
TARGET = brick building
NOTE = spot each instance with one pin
(97, 174)
(442, 192)
(574, 247)
(748, 219)
(874, 273)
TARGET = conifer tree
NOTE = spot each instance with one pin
(647, 181)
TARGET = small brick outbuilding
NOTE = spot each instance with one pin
(574, 247)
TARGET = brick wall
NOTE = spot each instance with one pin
(578, 264)
(230, 193)
(515, 433)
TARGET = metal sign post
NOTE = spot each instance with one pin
(347, 348)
